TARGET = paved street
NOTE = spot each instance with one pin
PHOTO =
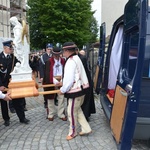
(42, 134)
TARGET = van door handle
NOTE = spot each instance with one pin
(123, 93)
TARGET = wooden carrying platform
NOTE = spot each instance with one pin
(28, 89)
(23, 89)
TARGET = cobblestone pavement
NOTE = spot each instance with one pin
(42, 134)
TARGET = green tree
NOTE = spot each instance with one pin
(93, 29)
(56, 21)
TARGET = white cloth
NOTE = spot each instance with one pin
(115, 58)
(57, 70)
(2, 96)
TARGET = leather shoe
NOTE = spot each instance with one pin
(64, 119)
(51, 119)
(82, 133)
(25, 121)
(7, 123)
(69, 137)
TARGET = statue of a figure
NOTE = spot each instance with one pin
(21, 46)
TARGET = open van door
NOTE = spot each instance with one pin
(112, 62)
(125, 98)
(127, 90)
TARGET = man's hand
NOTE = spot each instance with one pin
(2, 88)
(58, 84)
(7, 97)
(60, 93)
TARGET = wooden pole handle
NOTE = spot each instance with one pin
(49, 92)
(48, 85)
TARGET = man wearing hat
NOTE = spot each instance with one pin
(74, 86)
(7, 63)
(42, 61)
(53, 73)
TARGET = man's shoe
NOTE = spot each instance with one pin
(25, 121)
(12, 110)
(82, 133)
(51, 119)
(7, 123)
(64, 119)
(69, 137)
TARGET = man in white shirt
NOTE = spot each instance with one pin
(75, 85)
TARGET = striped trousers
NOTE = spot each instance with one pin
(75, 115)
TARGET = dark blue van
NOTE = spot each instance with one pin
(123, 74)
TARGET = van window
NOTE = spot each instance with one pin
(133, 53)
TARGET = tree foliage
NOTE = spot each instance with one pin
(55, 21)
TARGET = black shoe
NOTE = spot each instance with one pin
(25, 109)
(12, 110)
(7, 123)
(25, 121)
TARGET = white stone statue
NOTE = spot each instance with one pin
(21, 45)
(22, 70)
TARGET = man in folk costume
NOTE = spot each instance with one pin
(74, 86)
(53, 70)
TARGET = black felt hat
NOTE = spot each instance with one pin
(56, 51)
(69, 46)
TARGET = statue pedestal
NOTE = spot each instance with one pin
(23, 76)
(23, 89)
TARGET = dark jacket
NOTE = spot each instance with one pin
(6, 67)
(42, 61)
(88, 106)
